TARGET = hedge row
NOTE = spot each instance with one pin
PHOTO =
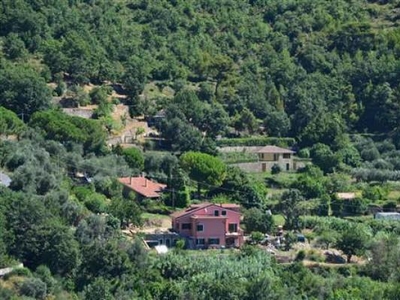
(256, 141)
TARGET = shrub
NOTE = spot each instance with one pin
(33, 287)
(82, 192)
(178, 199)
(301, 255)
(134, 158)
(304, 153)
(315, 256)
(370, 154)
(276, 169)
(389, 206)
(256, 237)
(24, 272)
(96, 203)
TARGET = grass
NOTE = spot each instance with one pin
(276, 181)
(152, 91)
(154, 216)
(394, 195)
(279, 220)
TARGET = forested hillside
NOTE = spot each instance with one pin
(319, 76)
(306, 68)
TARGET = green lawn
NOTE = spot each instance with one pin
(154, 216)
(279, 220)
(394, 195)
(283, 178)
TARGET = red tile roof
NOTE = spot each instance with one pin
(195, 207)
(274, 149)
(208, 217)
(229, 205)
(143, 186)
(192, 207)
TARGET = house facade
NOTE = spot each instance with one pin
(269, 156)
(142, 187)
(209, 225)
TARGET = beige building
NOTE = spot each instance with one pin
(272, 155)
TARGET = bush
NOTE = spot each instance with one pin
(389, 206)
(134, 158)
(181, 199)
(276, 169)
(96, 203)
(256, 237)
(155, 207)
(24, 272)
(33, 287)
(301, 255)
(315, 256)
(82, 193)
(44, 274)
(304, 153)
(370, 154)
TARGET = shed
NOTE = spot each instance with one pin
(387, 216)
(5, 179)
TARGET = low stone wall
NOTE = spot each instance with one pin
(249, 149)
(79, 112)
(5, 271)
(249, 167)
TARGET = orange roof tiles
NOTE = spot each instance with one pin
(195, 207)
(143, 186)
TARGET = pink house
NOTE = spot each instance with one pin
(209, 225)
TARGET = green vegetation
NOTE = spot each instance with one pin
(321, 77)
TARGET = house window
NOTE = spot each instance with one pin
(232, 227)
(276, 157)
(213, 241)
(200, 241)
(223, 213)
(286, 155)
(186, 226)
(200, 227)
(216, 213)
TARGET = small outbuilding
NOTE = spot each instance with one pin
(387, 216)
(5, 179)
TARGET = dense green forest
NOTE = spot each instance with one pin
(307, 69)
(320, 76)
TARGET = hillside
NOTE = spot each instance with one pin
(272, 125)
(295, 65)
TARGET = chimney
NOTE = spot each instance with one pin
(145, 182)
(130, 180)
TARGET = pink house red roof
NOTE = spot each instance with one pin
(143, 186)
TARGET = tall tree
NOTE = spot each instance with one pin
(203, 168)
(10, 123)
(353, 241)
(290, 206)
(22, 90)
